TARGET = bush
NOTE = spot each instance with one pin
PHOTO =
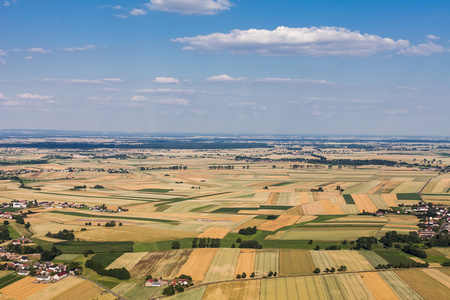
(169, 291)
(317, 271)
(248, 230)
(317, 247)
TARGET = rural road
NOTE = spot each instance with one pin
(118, 296)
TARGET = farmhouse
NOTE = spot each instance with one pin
(152, 282)
(60, 275)
(23, 272)
(43, 278)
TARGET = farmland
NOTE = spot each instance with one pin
(162, 208)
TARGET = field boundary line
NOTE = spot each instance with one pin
(101, 286)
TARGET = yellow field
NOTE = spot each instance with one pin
(330, 208)
(354, 286)
(266, 261)
(127, 260)
(235, 290)
(281, 221)
(295, 262)
(249, 223)
(214, 232)
(305, 287)
(223, 265)
(23, 288)
(376, 285)
(364, 203)
(350, 258)
(198, 263)
(82, 291)
(390, 199)
(424, 285)
(314, 208)
(246, 262)
(56, 288)
(438, 275)
(164, 263)
(305, 218)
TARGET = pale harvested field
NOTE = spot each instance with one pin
(223, 265)
(56, 288)
(445, 251)
(438, 275)
(350, 258)
(358, 219)
(281, 221)
(297, 210)
(127, 260)
(133, 233)
(249, 223)
(214, 232)
(378, 201)
(364, 203)
(273, 198)
(23, 288)
(164, 263)
(328, 234)
(305, 287)
(442, 186)
(295, 262)
(426, 286)
(305, 218)
(275, 236)
(377, 286)
(314, 208)
(408, 187)
(354, 287)
(305, 198)
(265, 261)
(246, 262)
(198, 263)
(234, 290)
(82, 291)
(416, 259)
(400, 288)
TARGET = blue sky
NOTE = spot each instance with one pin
(226, 66)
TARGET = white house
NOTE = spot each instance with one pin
(60, 275)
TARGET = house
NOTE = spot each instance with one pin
(152, 282)
(23, 259)
(60, 275)
(43, 278)
(23, 272)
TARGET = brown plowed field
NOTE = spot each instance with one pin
(163, 263)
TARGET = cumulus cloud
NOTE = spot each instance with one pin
(12, 103)
(167, 90)
(28, 57)
(165, 80)
(139, 98)
(197, 7)
(312, 41)
(137, 12)
(3, 97)
(34, 96)
(117, 7)
(432, 37)
(90, 81)
(108, 90)
(293, 80)
(422, 49)
(225, 78)
(84, 48)
(407, 88)
(122, 16)
(174, 101)
(39, 50)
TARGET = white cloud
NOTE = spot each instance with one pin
(139, 98)
(117, 7)
(422, 49)
(95, 98)
(34, 96)
(250, 105)
(90, 81)
(137, 12)
(6, 3)
(408, 88)
(12, 103)
(197, 7)
(84, 48)
(108, 90)
(28, 57)
(225, 78)
(3, 97)
(165, 80)
(174, 101)
(38, 50)
(432, 37)
(313, 41)
(2, 53)
(122, 16)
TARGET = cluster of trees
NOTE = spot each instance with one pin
(414, 250)
(50, 255)
(410, 264)
(248, 230)
(394, 237)
(62, 235)
(170, 290)
(205, 243)
(78, 187)
(110, 224)
(319, 189)
(19, 249)
(98, 186)
(272, 217)
(175, 245)
(121, 273)
(274, 274)
(333, 247)
(4, 233)
(221, 167)
(243, 275)
(439, 240)
(365, 243)
(251, 244)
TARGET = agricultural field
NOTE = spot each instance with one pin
(377, 286)
(328, 233)
(126, 260)
(164, 264)
(23, 288)
(223, 265)
(266, 261)
(198, 263)
(235, 290)
(295, 262)
(349, 258)
(426, 286)
(246, 262)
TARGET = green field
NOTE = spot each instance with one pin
(9, 279)
(105, 259)
(111, 216)
(393, 257)
(67, 257)
(97, 247)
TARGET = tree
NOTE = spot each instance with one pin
(317, 271)
(179, 288)
(238, 240)
(148, 277)
(169, 291)
(252, 275)
(238, 276)
(244, 275)
(317, 247)
(5, 222)
(310, 242)
(28, 225)
(233, 246)
(176, 245)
